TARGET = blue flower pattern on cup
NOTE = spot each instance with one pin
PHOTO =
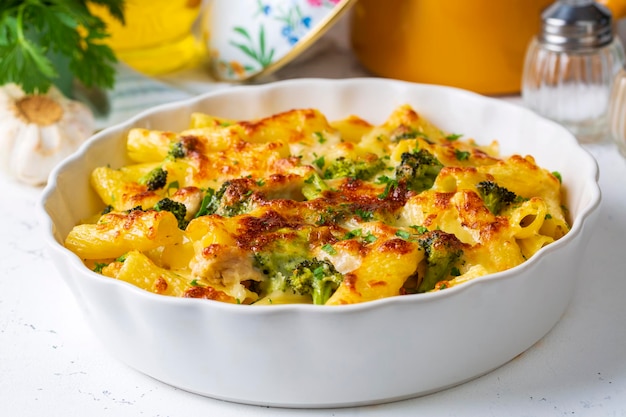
(296, 25)
(255, 43)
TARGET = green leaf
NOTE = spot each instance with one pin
(32, 31)
(8, 29)
(242, 31)
(262, 42)
(114, 7)
(25, 65)
(270, 58)
(93, 66)
(246, 50)
(264, 59)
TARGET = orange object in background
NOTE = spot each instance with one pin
(478, 45)
(157, 37)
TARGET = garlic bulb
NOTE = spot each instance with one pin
(38, 131)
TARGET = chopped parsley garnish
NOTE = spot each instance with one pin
(558, 176)
(352, 234)
(454, 136)
(390, 184)
(419, 229)
(98, 267)
(365, 215)
(461, 155)
(328, 248)
(174, 185)
(403, 234)
(405, 135)
(370, 238)
(207, 203)
(320, 137)
(319, 162)
(411, 134)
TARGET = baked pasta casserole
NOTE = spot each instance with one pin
(293, 208)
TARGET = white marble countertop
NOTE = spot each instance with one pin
(51, 363)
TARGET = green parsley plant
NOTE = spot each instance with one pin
(32, 30)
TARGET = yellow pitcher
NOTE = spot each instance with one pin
(478, 45)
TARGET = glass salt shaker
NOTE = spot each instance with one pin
(570, 66)
(617, 111)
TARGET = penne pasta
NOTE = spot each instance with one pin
(292, 208)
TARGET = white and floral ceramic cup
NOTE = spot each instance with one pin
(250, 38)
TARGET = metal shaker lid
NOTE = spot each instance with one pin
(576, 26)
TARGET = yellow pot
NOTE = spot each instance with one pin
(478, 45)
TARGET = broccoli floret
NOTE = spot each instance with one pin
(232, 199)
(314, 187)
(155, 179)
(443, 251)
(494, 196)
(289, 268)
(361, 169)
(277, 264)
(319, 278)
(186, 146)
(179, 210)
(418, 170)
(177, 150)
